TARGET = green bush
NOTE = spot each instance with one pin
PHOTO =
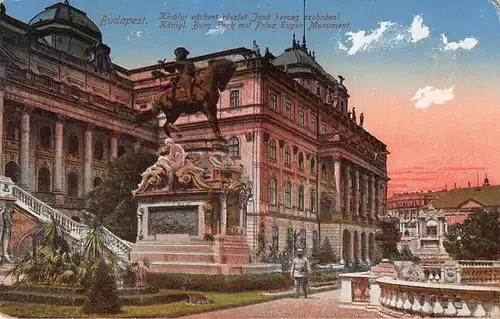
(103, 294)
(219, 283)
(326, 255)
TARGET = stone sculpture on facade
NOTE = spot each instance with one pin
(174, 102)
(6, 211)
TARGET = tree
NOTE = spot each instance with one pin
(475, 238)
(112, 202)
(388, 236)
(103, 294)
(326, 254)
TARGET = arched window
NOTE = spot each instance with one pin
(272, 192)
(313, 165)
(288, 195)
(98, 150)
(72, 185)
(323, 171)
(272, 150)
(43, 185)
(273, 103)
(73, 145)
(45, 137)
(121, 150)
(288, 156)
(12, 171)
(432, 228)
(313, 201)
(288, 110)
(300, 161)
(12, 131)
(301, 198)
(234, 146)
(97, 182)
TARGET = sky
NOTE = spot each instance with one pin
(424, 73)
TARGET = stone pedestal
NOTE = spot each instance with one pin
(190, 202)
(384, 269)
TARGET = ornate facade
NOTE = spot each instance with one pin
(315, 170)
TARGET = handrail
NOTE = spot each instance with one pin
(46, 213)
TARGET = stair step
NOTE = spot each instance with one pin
(173, 256)
(172, 248)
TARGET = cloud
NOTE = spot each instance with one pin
(222, 25)
(465, 44)
(388, 35)
(418, 30)
(361, 40)
(135, 34)
(496, 5)
(429, 95)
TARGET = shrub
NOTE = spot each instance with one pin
(103, 294)
(326, 255)
(219, 283)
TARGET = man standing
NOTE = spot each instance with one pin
(300, 271)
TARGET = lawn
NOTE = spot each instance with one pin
(170, 310)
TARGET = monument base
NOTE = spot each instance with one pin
(184, 254)
(384, 269)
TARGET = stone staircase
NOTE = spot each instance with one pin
(75, 231)
(228, 255)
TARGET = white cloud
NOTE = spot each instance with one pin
(135, 34)
(222, 25)
(361, 40)
(496, 5)
(388, 36)
(465, 44)
(418, 30)
(429, 95)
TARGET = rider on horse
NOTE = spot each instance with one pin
(187, 72)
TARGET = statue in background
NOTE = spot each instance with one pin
(6, 210)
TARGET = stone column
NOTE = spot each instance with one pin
(2, 166)
(113, 152)
(372, 206)
(348, 191)
(223, 213)
(352, 258)
(58, 155)
(87, 159)
(338, 181)
(357, 194)
(24, 157)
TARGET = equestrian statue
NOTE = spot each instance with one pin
(189, 93)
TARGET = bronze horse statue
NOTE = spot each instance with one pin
(173, 101)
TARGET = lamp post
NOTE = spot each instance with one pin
(223, 209)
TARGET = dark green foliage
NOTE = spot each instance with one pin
(388, 236)
(112, 202)
(325, 254)
(219, 283)
(103, 294)
(476, 238)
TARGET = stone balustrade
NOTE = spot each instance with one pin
(357, 287)
(75, 229)
(440, 300)
(471, 272)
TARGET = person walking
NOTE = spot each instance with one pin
(299, 272)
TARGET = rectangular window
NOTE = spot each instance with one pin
(301, 117)
(289, 237)
(315, 241)
(313, 124)
(323, 128)
(288, 195)
(288, 110)
(275, 238)
(303, 239)
(234, 98)
(273, 103)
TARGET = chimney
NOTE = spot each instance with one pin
(486, 180)
(455, 185)
(469, 184)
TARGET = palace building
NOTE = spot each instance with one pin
(67, 110)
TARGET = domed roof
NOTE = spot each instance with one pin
(300, 60)
(64, 14)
